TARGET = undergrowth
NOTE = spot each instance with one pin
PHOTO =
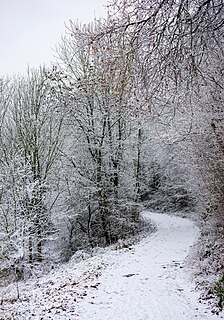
(219, 293)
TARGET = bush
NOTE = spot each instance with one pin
(219, 293)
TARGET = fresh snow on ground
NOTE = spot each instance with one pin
(147, 281)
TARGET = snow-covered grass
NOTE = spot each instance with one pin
(149, 280)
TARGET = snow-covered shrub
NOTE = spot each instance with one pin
(219, 293)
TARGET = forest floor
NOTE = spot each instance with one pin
(150, 280)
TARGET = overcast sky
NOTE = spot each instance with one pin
(29, 29)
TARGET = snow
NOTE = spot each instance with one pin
(147, 281)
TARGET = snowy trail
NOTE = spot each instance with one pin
(148, 282)
(151, 282)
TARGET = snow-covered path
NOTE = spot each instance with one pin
(150, 282)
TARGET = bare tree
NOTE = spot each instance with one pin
(32, 134)
(100, 81)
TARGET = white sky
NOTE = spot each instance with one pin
(29, 29)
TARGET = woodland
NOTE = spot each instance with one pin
(130, 116)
